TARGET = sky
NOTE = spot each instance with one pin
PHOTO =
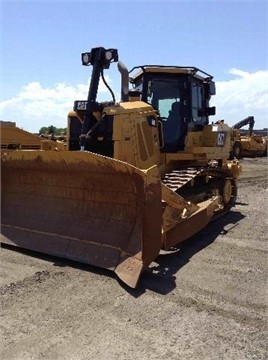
(42, 41)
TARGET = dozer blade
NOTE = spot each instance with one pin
(84, 207)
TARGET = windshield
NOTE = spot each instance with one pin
(162, 93)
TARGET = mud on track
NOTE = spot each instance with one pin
(207, 300)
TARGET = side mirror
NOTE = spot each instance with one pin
(211, 110)
(212, 88)
(207, 111)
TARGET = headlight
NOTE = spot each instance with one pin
(108, 55)
(86, 58)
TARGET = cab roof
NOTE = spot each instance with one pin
(190, 70)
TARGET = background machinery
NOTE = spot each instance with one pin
(13, 137)
(247, 143)
(138, 176)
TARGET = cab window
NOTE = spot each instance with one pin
(197, 102)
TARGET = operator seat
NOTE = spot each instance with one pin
(173, 128)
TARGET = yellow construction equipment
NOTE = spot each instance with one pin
(248, 143)
(138, 176)
(13, 137)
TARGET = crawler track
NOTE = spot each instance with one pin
(195, 182)
(178, 178)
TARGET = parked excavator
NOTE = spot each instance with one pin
(249, 144)
(139, 175)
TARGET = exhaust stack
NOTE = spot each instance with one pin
(124, 81)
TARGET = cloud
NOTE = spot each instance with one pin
(36, 106)
(244, 95)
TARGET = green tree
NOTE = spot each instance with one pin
(51, 129)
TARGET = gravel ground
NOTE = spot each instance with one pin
(207, 300)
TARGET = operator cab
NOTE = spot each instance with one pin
(180, 95)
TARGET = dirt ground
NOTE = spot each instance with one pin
(208, 300)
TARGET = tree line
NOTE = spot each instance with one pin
(52, 130)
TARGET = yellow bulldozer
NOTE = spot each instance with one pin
(139, 175)
(247, 143)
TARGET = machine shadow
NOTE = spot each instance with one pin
(161, 276)
(60, 262)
